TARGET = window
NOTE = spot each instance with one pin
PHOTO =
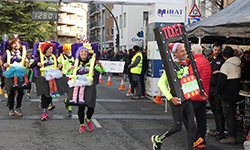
(111, 30)
(120, 21)
(107, 14)
(107, 31)
(68, 29)
(124, 20)
(58, 27)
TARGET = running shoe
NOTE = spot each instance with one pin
(11, 112)
(5, 95)
(51, 107)
(89, 125)
(129, 94)
(44, 117)
(57, 94)
(47, 115)
(28, 96)
(18, 112)
(52, 94)
(198, 142)
(156, 143)
(201, 146)
(81, 101)
(72, 101)
(69, 113)
(82, 129)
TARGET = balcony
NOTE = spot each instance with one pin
(66, 33)
(94, 25)
(94, 10)
(94, 39)
(68, 10)
(63, 21)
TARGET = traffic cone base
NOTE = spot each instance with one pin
(109, 81)
(122, 85)
(158, 100)
(100, 79)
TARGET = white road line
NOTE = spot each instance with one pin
(97, 124)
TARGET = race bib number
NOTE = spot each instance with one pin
(190, 86)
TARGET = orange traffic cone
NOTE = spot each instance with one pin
(122, 87)
(109, 81)
(100, 79)
(158, 98)
(129, 90)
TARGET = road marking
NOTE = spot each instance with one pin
(97, 124)
(98, 100)
(97, 116)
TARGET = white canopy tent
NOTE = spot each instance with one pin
(118, 2)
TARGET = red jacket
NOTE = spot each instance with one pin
(204, 69)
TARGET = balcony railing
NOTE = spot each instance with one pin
(95, 24)
(94, 10)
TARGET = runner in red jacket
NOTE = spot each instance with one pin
(199, 104)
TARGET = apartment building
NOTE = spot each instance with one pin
(72, 23)
(100, 25)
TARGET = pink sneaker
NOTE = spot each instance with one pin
(82, 129)
(44, 117)
(47, 115)
(89, 125)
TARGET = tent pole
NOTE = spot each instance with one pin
(199, 40)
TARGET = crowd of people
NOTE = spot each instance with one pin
(135, 68)
(221, 73)
(55, 77)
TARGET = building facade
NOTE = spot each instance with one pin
(100, 25)
(72, 23)
(130, 19)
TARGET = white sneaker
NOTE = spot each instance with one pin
(129, 94)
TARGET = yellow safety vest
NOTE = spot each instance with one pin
(137, 69)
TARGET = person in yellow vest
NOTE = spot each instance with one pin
(66, 59)
(136, 69)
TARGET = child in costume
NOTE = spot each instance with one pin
(83, 88)
(49, 82)
(66, 59)
(15, 74)
(30, 71)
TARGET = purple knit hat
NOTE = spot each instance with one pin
(78, 52)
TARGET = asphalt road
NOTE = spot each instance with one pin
(120, 123)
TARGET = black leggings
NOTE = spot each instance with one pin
(45, 101)
(12, 96)
(81, 109)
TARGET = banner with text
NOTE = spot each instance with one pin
(113, 66)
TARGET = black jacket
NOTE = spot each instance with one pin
(215, 65)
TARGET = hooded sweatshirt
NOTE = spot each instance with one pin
(229, 79)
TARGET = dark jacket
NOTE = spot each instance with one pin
(215, 65)
(229, 80)
(144, 63)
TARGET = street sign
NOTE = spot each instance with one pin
(5, 37)
(195, 12)
(84, 41)
(193, 20)
(15, 35)
(82, 37)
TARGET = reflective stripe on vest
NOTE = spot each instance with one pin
(137, 69)
(49, 59)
